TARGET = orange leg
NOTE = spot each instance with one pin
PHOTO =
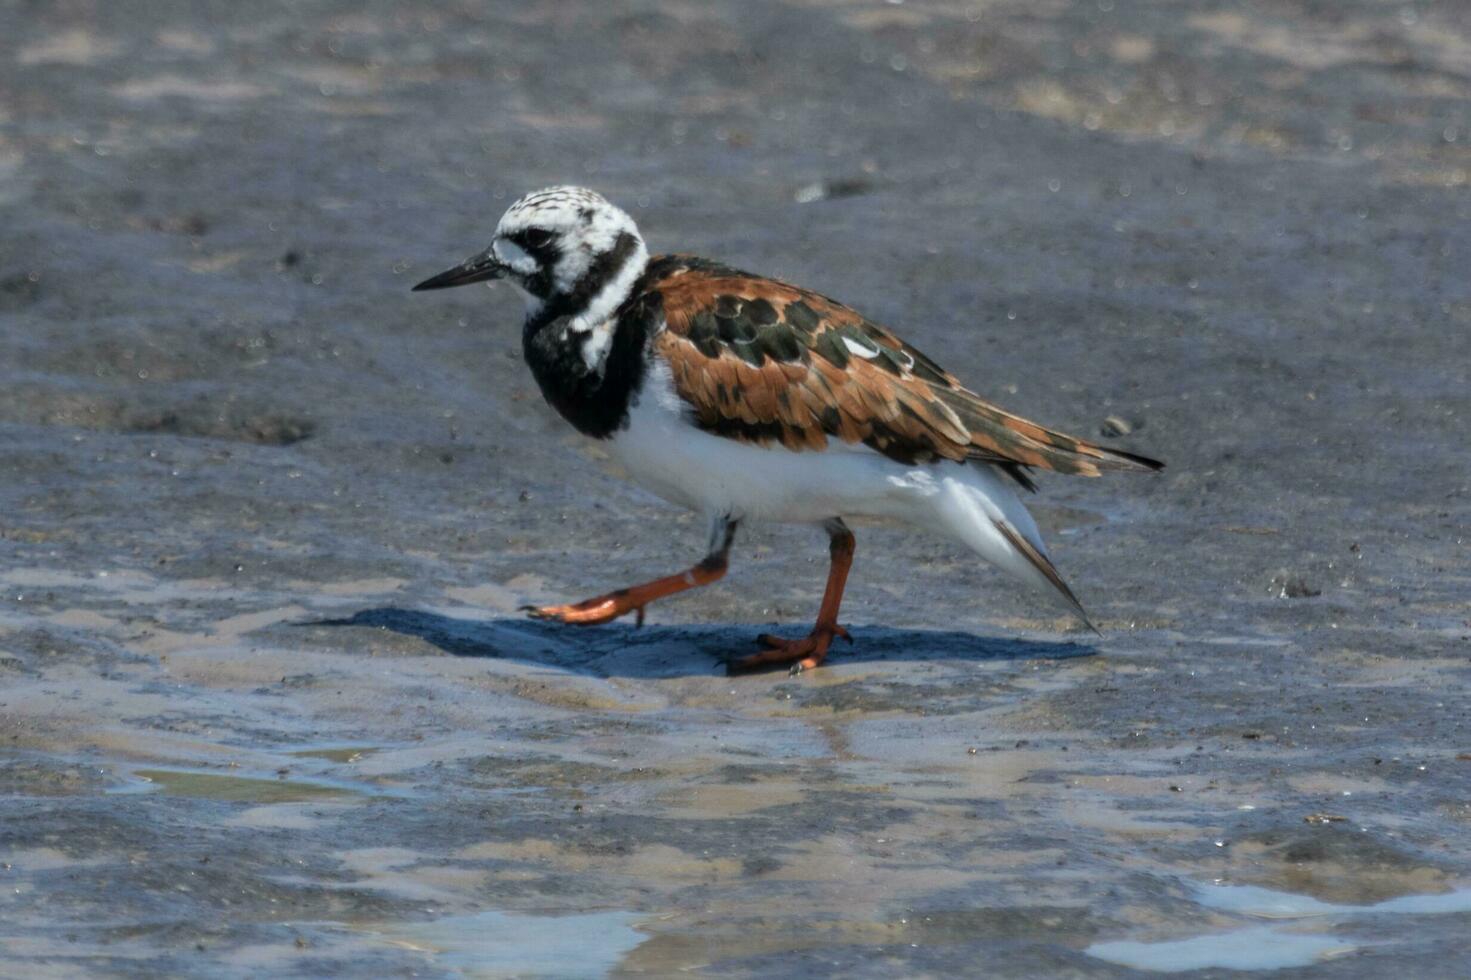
(606, 608)
(809, 651)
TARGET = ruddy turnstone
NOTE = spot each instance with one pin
(749, 399)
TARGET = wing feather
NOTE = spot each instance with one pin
(762, 361)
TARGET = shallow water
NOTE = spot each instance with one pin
(494, 944)
(1265, 903)
(1274, 947)
(267, 704)
(1256, 948)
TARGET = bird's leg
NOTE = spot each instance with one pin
(808, 652)
(605, 608)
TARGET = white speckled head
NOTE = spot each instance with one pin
(575, 256)
(550, 240)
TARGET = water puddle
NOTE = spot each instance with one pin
(344, 754)
(1258, 948)
(1273, 947)
(1265, 903)
(504, 944)
(237, 789)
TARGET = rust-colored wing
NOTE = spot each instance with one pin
(762, 361)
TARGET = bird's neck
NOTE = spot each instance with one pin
(590, 363)
(582, 306)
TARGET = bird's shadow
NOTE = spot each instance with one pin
(654, 651)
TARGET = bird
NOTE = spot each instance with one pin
(745, 398)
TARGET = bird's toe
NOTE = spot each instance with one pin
(798, 655)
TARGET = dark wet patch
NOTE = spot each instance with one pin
(20, 777)
(550, 772)
(19, 290)
(585, 727)
(1336, 862)
(1294, 587)
(200, 421)
(153, 413)
(833, 188)
(50, 644)
(739, 773)
(190, 224)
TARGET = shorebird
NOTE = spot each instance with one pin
(745, 398)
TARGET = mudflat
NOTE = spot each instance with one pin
(267, 706)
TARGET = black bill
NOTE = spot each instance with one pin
(479, 268)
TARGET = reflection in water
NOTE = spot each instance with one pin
(1257, 948)
(259, 789)
(1268, 904)
(345, 754)
(239, 789)
(1266, 947)
(501, 944)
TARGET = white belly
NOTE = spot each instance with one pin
(718, 477)
(714, 476)
(667, 455)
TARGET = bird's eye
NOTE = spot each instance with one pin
(536, 237)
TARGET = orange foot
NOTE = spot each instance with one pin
(606, 608)
(803, 654)
(591, 612)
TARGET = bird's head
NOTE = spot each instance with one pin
(565, 247)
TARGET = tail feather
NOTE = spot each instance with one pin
(997, 436)
(1043, 565)
(1119, 460)
(984, 512)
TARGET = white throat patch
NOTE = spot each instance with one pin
(596, 322)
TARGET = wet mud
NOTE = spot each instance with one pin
(267, 704)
